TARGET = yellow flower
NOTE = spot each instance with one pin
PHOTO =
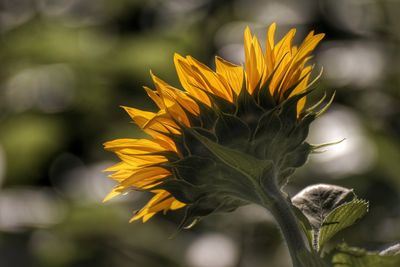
(244, 110)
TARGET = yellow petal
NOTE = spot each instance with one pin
(117, 167)
(283, 55)
(140, 161)
(176, 204)
(284, 46)
(309, 45)
(306, 73)
(121, 175)
(189, 83)
(149, 173)
(170, 102)
(232, 73)
(140, 117)
(144, 145)
(186, 102)
(254, 61)
(115, 192)
(152, 123)
(171, 96)
(270, 44)
(209, 80)
(155, 97)
(145, 212)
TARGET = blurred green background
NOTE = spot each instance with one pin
(67, 65)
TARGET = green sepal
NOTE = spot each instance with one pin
(181, 190)
(300, 132)
(289, 110)
(179, 143)
(208, 205)
(193, 145)
(264, 97)
(220, 103)
(292, 161)
(170, 155)
(297, 157)
(231, 131)
(268, 127)
(247, 109)
(284, 175)
(207, 115)
(187, 169)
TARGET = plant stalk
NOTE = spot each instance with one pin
(280, 207)
(290, 228)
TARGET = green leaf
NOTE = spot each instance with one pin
(317, 201)
(355, 257)
(341, 217)
(304, 224)
(329, 209)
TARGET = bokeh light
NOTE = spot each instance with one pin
(22, 208)
(49, 88)
(353, 154)
(359, 64)
(212, 250)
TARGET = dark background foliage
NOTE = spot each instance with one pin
(66, 66)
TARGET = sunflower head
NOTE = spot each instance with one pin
(218, 143)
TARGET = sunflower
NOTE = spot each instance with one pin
(219, 142)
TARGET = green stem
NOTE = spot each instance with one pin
(280, 206)
(291, 231)
(282, 211)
